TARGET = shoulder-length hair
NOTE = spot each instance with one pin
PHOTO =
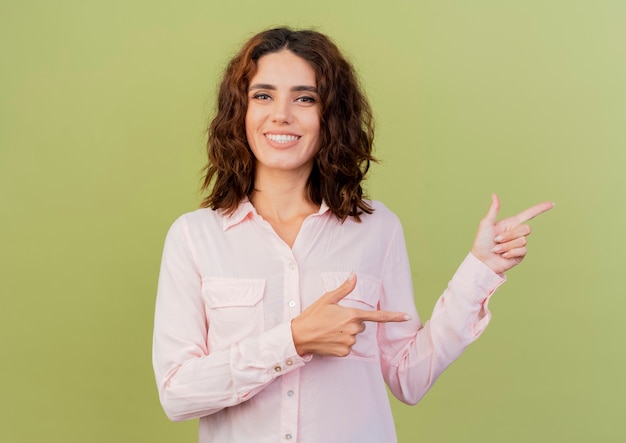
(346, 126)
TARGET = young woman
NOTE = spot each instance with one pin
(285, 305)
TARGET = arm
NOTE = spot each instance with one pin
(414, 355)
(193, 380)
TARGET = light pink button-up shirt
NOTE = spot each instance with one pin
(223, 349)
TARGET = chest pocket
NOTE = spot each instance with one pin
(234, 309)
(365, 296)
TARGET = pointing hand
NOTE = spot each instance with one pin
(502, 245)
(326, 328)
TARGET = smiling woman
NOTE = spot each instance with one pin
(319, 72)
(264, 293)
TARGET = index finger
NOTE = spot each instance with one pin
(532, 212)
(382, 316)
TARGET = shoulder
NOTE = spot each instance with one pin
(382, 222)
(381, 215)
(192, 222)
(380, 208)
(201, 216)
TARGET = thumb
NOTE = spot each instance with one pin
(336, 295)
(493, 210)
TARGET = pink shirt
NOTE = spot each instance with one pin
(223, 350)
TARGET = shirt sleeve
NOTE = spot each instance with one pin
(194, 381)
(413, 355)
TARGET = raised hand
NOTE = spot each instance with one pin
(502, 245)
(325, 328)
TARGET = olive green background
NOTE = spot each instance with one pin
(103, 105)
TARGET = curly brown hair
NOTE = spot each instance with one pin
(346, 126)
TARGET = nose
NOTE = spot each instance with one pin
(281, 111)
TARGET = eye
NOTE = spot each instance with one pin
(306, 99)
(261, 96)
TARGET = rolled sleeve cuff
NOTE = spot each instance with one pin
(275, 355)
(285, 358)
(474, 274)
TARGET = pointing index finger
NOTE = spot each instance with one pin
(383, 316)
(532, 212)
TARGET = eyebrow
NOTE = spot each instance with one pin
(293, 89)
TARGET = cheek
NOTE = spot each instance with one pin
(314, 125)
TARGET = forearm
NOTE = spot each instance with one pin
(461, 313)
(192, 386)
(460, 316)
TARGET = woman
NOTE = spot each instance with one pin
(285, 305)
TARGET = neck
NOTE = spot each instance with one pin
(282, 197)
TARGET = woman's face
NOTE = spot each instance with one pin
(283, 115)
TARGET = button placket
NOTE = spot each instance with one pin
(289, 379)
(292, 279)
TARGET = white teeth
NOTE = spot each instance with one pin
(281, 138)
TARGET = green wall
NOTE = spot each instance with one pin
(102, 110)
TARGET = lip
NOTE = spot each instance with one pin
(266, 133)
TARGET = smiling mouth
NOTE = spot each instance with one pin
(282, 138)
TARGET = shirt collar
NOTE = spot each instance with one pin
(245, 211)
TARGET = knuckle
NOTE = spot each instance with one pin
(353, 314)
(331, 294)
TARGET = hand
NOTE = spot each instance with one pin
(502, 245)
(325, 328)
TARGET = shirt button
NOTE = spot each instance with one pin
(288, 436)
(278, 368)
(289, 362)
(292, 265)
(289, 393)
(292, 303)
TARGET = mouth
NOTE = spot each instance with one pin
(282, 138)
